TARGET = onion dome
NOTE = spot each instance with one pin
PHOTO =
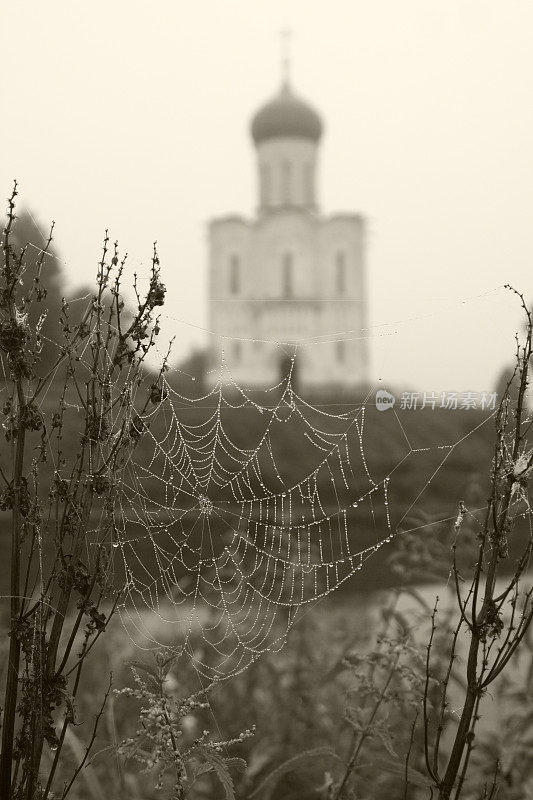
(286, 116)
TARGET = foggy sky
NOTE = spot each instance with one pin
(135, 117)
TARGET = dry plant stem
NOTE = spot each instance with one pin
(69, 717)
(14, 645)
(469, 748)
(367, 730)
(443, 705)
(431, 768)
(496, 527)
(101, 376)
(408, 755)
(473, 693)
(53, 644)
(80, 766)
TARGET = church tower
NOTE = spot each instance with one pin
(289, 282)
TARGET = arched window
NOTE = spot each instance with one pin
(265, 184)
(287, 276)
(286, 177)
(234, 274)
(340, 277)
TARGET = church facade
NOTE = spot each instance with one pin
(287, 288)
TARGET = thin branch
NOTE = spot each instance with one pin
(433, 772)
(91, 741)
(408, 754)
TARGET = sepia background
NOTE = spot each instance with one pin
(291, 542)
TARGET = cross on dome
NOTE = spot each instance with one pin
(286, 34)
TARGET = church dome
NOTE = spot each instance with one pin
(286, 116)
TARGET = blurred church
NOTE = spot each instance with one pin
(289, 282)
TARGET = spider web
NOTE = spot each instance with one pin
(227, 530)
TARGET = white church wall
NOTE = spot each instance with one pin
(230, 237)
(342, 236)
(285, 241)
(229, 285)
(287, 173)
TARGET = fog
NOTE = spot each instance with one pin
(135, 117)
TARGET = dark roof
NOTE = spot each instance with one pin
(286, 115)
